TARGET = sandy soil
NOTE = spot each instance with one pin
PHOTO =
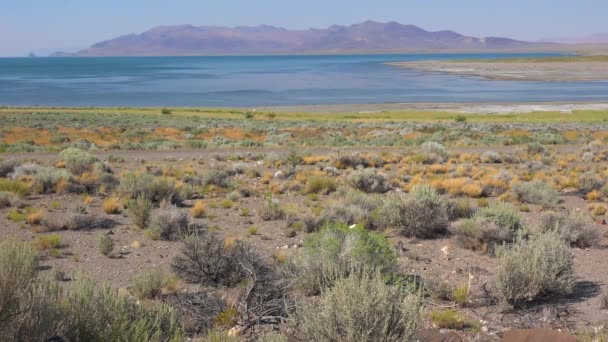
(521, 71)
(487, 108)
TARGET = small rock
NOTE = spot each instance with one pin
(235, 331)
(136, 244)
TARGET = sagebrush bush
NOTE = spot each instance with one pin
(47, 178)
(272, 210)
(156, 189)
(8, 166)
(537, 192)
(77, 161)
(18, 264)
(209, 261)
(217, 177)
(536, 268)
(368, 180)
(34, 309)
(435, 148)
(9, 199)
(459, 208)
(423, 214)
(170, 223)
(320, 185)
(503, 214)
(575, 227)
(140, 210)
(105, 244)
(481, 234)
(149, 285)
(335, 251)
(590, 181)
(360, 307)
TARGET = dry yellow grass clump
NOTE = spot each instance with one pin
(34, 217)
(199, 209)
(111, 205)
(594, 195)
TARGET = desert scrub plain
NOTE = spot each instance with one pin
(218, 225)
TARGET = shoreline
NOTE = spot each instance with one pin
(365, 108)
(509, 70)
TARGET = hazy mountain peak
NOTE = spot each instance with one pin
(367, 36)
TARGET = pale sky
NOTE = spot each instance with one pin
(44, 26)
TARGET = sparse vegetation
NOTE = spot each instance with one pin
(270, 237)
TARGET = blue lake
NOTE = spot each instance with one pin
(263, 80)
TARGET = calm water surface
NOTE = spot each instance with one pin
(262, 80)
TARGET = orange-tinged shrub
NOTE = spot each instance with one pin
(594, 195)
(198, 210)
(87, 199)
(111, 205)
(312, 160)
(34, 216)
(437, 168)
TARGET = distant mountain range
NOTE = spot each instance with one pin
(600, 38)
(368, 36)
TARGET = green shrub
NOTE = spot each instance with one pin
(16, 215)
(360, 307)
(368, 180)
(460, 118)
(537, 268)
(77, 161)
(139, 210)
(575, 227)
(16, 187)
(335, 251)
(503, 214)
(148, 285)
(320, 185)
(449, 319)
(166, 111)
(105, 244)
(537, 192)
(423, 214)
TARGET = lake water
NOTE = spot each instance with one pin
(262, 80)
